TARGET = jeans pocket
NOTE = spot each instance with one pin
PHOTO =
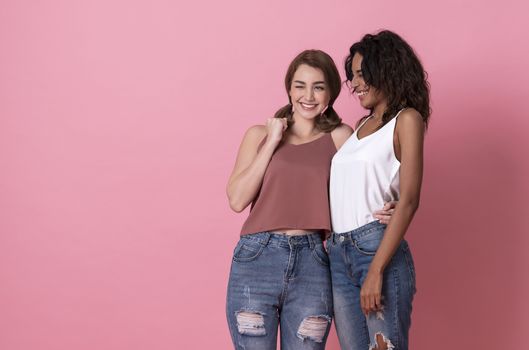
(247, 250)
(368, 244)
(320, 255)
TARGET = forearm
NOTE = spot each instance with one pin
(243, 188)
(394, 234)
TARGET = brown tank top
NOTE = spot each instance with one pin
(294, 193)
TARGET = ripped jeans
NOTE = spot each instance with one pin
(279, 280)
(350, 254)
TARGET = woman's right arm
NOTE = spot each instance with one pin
(250, 166)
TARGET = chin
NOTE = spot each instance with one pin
(308, 115)
(364, 105)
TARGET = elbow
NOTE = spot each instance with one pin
(236, 199)
(235, 205)
(236, 208)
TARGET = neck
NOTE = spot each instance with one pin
(302, 127)
(378, 110)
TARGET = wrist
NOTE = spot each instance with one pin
(376, 268)
(271, 143)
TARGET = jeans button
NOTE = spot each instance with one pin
(342, 238)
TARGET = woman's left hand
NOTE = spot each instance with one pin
(384, 215)
(371, 293)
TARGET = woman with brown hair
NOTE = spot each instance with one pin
(280, 269)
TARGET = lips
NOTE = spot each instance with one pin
(308, 106)
(361, 93)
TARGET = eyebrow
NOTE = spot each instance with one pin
(302, 82)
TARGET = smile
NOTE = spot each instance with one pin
(361, 93)
(308, 106)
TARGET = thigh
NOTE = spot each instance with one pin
(253, 290)
(350, 323)
(307, 309)
(394, 322)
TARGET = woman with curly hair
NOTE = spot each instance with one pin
(373, 276)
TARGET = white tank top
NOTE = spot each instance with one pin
(364, 175)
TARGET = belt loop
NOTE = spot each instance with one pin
(311, 240)
(266, 238)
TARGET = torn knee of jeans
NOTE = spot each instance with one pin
(250, 323)
(314, 328)
(382, 343)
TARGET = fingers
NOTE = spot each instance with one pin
(390, 205)
(272, 121)
(384, 219)
(378, 302)
(384, 212)
(364, 304)
(275, 128)
(384, 215)
(371, 296)
(371, 303)
(285, 124)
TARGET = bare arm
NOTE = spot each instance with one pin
(250, 166)
(410, 136)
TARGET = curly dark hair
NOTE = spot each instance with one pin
(390, 65)
(320, 60)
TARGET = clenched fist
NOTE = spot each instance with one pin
(275, 128)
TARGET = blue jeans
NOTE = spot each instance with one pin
(279, 280)
(350, 254)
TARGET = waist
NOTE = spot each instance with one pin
(293, 232)
(285, 241)
(350, 210)
(359, 232)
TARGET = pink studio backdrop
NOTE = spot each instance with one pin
(119, 125)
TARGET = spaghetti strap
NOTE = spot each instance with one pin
(360, 126)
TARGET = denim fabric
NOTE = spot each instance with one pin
(279, 280)
(350, 255)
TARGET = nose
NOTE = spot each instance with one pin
(310, 94)
(355, 82)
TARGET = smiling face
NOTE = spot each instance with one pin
(369, 96)
(309, 92)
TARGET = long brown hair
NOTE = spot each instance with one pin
(329, 120)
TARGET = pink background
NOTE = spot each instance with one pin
(119, 125)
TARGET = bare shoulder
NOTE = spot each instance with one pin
(256, 131)
(409, 132)
(343, 130)
(255, 134)
(410, 118)
(341, 134)
(252, 138)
